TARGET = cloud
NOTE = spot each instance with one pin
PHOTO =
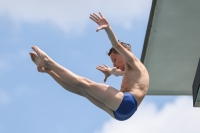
(5, 98)
(73, 16)
(177, 117)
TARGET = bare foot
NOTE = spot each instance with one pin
(34, 58)
(42, 59)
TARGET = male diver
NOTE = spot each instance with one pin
(120, 104)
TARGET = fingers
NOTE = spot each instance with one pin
(96, 16)
(93, 18)
(104, 80)
(105, 65)
(100, 14)
(101, 68)
(98, 29)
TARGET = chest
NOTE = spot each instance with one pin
(129, 79)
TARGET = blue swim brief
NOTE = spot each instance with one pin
(127, 107)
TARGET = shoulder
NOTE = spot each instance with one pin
(134, 64)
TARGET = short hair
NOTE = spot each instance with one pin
(125, 45)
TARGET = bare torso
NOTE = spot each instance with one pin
(135, 81)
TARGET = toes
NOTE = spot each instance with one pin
(36, 49)
(33, 54)
(33, 57)
(39, 56)
(39, 52)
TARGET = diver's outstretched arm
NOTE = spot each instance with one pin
(107, 71)
(103, 24)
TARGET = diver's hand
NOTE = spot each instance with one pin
(100, 20)
(105, 70)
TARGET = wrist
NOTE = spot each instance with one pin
(108, 28)
(112, 70)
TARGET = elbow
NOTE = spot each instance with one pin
(116, 45)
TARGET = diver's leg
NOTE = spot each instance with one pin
(108, 95)
(98, 103)
(81, 92)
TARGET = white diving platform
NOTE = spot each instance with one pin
(171, 48)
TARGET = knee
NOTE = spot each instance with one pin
(83, 82)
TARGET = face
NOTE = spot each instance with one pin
(117, 61)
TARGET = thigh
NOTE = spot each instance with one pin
(98, 103)
(108, 95)
(83, 93)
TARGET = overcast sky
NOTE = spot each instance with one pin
(31, 102)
